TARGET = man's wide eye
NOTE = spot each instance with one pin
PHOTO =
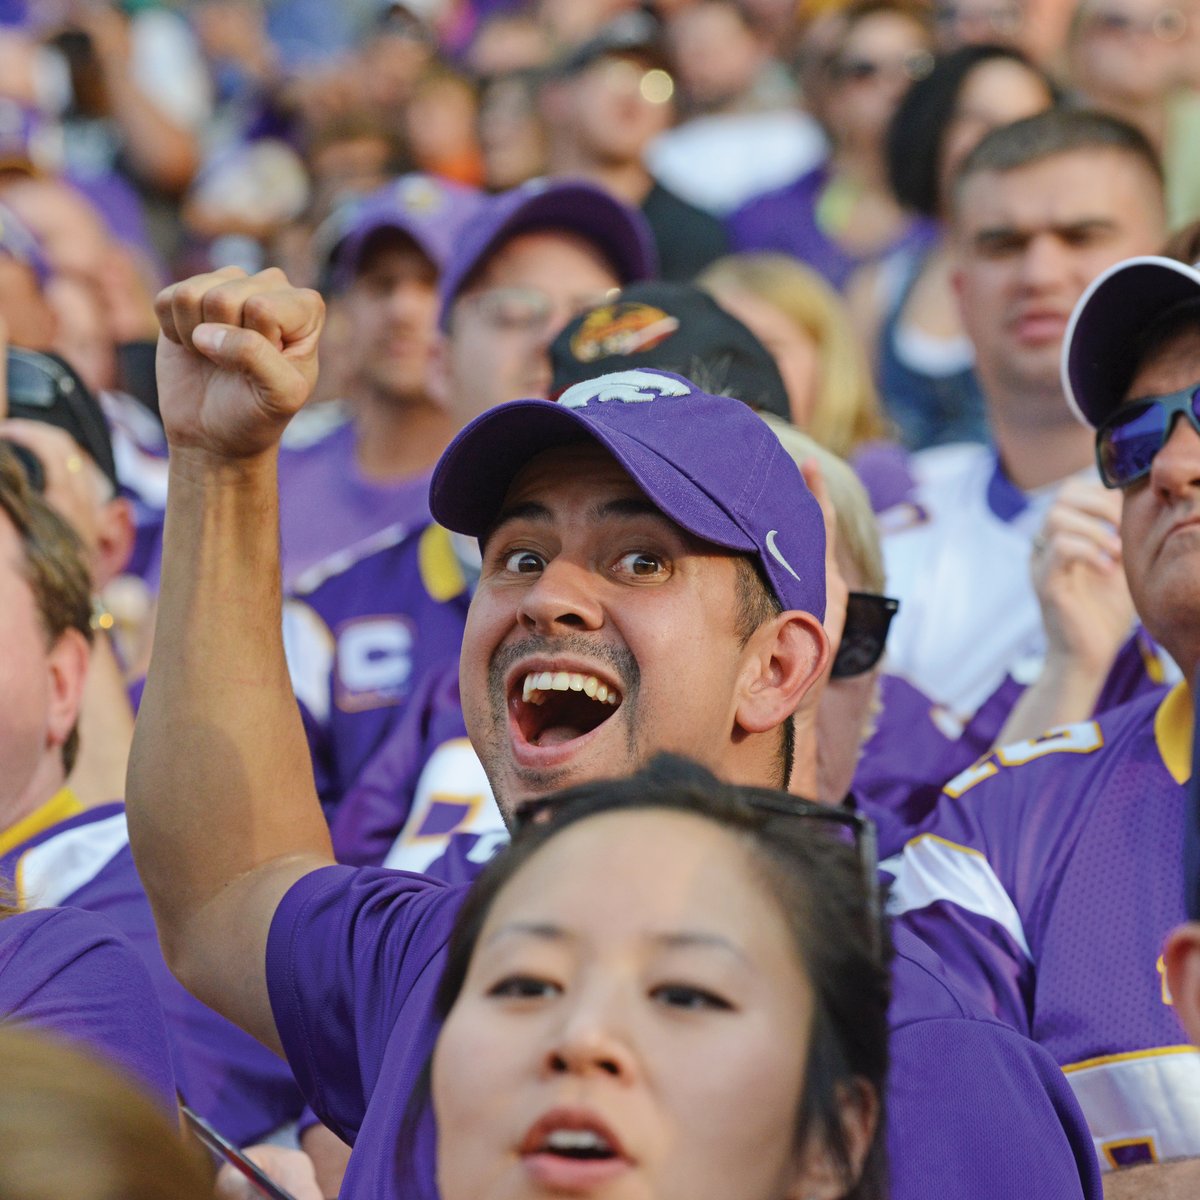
(523, 562)
(641, 563)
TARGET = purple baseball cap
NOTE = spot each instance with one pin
(708, 462)
(1107, 325)
(619, 232)
(431, 211)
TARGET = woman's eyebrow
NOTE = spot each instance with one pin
(542, 930)
(687, 939)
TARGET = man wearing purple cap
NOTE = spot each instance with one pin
(637, 592)
(365, 626)
(370, 472)
(1051, 874)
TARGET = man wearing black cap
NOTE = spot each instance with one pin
(1050, 874)
(606, 102)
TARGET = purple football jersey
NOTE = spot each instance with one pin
(326, 504)
(73, 974)
(354, 958)
(1046, 879)
(230, 1078)
(361, 632)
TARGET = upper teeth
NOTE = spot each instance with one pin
(538, 682)
(576, 1139)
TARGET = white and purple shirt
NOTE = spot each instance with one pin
(67, 855)
(1046, 880)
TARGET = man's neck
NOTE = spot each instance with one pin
(393, 442)
(1036, 455)
(628, 181)
(46, 783)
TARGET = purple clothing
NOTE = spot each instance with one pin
(326, 505)
(361, 633)
(72, 974)
(373, 811)
(974, 1109)
(917, 746)
(354, 958)
(786, 220)
(231, 1079)
(1047, 880)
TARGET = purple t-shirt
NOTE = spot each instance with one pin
(72, 974)
(230, 1078)
(326, 505)
(354, 958)
(786, 220)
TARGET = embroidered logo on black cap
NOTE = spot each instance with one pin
(621, 329)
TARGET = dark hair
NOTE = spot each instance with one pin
(913, 146)
(817, 880)
(1184, 244)
(1057, 131)
(52, 563)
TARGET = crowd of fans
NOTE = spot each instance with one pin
(599, 598)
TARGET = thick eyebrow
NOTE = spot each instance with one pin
(541, 930)
(1071, 229)
(530, 510)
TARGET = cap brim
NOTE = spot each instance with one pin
(1107, 325)
(580, 209)
(346, 255)
(473, 477)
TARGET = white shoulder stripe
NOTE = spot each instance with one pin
(931, 868)
(53, 871)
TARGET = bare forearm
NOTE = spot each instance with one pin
(163, 153)
(1157, 1181)
(219, 781)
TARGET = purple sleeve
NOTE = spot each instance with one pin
(73, 974)
(973, 1107)
(354, 958)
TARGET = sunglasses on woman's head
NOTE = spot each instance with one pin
(1128, 441)
(859, 828)
(868, 618)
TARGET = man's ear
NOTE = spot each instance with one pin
(819, 1176)
(115, 536)
(67, 664)
(783, 659)
(1181, 958)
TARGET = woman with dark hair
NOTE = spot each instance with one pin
(842, 214)
(714, 1026)
(906, 305)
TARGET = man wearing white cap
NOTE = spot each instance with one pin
(1050, 873)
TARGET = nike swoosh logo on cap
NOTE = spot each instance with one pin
(777, 554)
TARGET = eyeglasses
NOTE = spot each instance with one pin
(1001, 20)
(865, 70)
(868, 618)
(1169, 25)
(527, 310)
(37, 381)
(861, 830)
(1128, 441)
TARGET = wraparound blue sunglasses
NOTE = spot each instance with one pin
(1128, 441)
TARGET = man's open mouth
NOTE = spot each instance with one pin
(553, 707)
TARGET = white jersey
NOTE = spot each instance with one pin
(957, 556)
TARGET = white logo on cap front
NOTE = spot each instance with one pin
(777, 554)
(629, 387)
